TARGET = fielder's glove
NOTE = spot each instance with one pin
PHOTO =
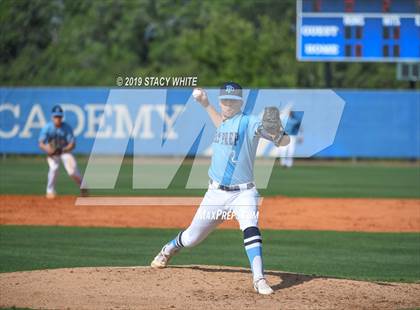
(56, 149)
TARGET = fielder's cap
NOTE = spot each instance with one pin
(231, 90)
(57, 111)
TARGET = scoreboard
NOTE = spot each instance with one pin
(358, 30)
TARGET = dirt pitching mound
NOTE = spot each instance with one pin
(196, 287)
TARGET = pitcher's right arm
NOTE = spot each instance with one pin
(200, 96)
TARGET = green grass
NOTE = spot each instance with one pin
(26, 175)
(364, 256)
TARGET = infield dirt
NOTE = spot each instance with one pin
(339, 214)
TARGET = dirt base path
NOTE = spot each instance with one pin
(370, 215)
(203, 287)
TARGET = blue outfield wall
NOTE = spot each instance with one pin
(373, 123)
(378, 124)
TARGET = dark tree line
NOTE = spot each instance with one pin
(90, 43)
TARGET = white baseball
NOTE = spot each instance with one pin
(196, 93)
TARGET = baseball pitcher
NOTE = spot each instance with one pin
(231, 184)
(57, 141)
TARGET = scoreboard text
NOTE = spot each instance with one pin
(358, 30)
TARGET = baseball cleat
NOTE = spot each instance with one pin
(50, 195)
(84, 192)
(261, 287)
(161, 260)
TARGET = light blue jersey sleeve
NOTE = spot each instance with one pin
(43, 135)
(69, 133)
(254, 123)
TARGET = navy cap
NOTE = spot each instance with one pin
(57, 111)
(231, 90)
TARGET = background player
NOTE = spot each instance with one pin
(57, 140)
(295, 132)
(231, 185)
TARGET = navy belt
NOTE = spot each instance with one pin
(233, 188)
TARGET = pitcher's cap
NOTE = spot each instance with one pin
(231, 90)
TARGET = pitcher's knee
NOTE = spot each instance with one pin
(190, 240)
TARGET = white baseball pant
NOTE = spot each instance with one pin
(287, 152)
(217, 206)
(70, 165)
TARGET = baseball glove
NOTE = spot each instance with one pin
(271, 121)
(272, 125)
(56, 149)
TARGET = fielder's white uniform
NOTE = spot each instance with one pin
(287, 153)
(293, 129)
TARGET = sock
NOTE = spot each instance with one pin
(253, 248)
(174, 245)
